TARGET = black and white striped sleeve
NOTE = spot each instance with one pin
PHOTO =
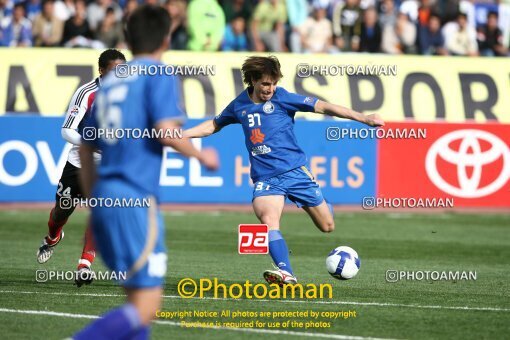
(79, 105)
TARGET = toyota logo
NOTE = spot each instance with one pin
(468, 187)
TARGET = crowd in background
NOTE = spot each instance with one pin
(428, 27)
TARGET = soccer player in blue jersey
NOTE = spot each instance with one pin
(278, 165)
(131, 239)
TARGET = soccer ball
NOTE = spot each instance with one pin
(343, 263)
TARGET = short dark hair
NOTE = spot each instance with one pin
(108, 56)
(492, 13)
(237, 16)
(255, 67)
(434, 14)
(147, 28)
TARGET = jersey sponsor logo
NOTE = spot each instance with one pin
(74, 110)
(253, 239)
(470, 158)
(308, 100)
(260, 150)
(257, 136)
(268, 107)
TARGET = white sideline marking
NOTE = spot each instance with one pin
(354, 303)
(173, 323)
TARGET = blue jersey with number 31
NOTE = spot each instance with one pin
(269, 130)
(135, 102)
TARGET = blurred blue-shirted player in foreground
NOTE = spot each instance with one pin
(278, 165)
(131, 239)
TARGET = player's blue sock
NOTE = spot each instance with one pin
(279, 251)
(116, 324)
(142, 333)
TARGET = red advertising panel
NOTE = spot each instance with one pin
(467, 162)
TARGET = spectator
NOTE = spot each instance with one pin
(130, 6)
(460, 38)
(431, 40)
(371, 34)
(47, 29)
(64, 9)
(235, 38)
(490, 37)
(96, 12)
(410, 8)
(236, 8)
(425, 11)
(109, 31)
(321, 3)
(206, 25)
(6, 7)
(297, 10)
(16, 31)
(331, 7)
(179, 35)
(450, 9)
(317, 32)
(388, 14)
(347, 25)
(399, 38)
(267, 27)
(32, 8)
(77, 26)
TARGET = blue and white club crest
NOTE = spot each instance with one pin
(268, 107)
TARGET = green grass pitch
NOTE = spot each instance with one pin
(204, 245)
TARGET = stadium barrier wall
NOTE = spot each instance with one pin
(424, 89)
(32, 154)
(467, 162)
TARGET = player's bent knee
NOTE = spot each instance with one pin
(148, 311)
(147, 302)
(60, 214)
(328, 226)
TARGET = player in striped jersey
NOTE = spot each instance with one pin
(69, 184)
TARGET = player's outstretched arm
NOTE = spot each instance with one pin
(88, 169)
(204, 129)
(343, 112)
(208, 156)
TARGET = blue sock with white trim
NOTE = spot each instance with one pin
(116, 324)
(279, 251)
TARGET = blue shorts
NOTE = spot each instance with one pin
(298, 185)
(130, 240)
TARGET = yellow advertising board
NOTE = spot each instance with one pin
(453, 89)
